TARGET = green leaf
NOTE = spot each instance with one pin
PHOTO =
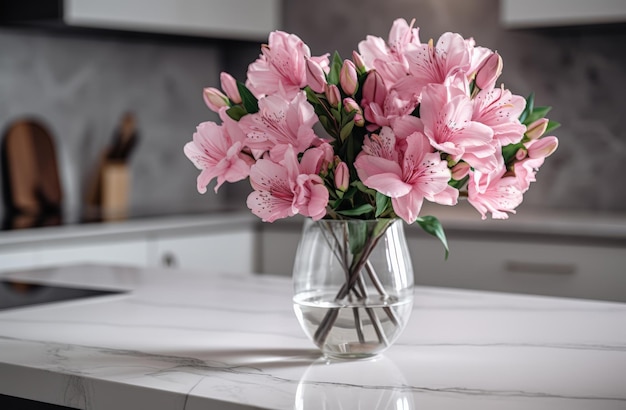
(335, 69)
(458, 184)
(361, 187)
(552, 125)
(328, 126)
(357, 235)
(236, 112)
(336, 113)
(360, 210)
(509, 151)
(530, 102)
(382, 201)
(346, 130)
(432, 226)
(311, 96)
(248, 100)
(537, 113)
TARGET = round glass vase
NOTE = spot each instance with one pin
(353, 285)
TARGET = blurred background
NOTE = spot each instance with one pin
(80, 84)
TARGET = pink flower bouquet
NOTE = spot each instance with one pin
(402, 122)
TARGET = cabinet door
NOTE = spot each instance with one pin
(231, 251)
(121, 252)
(18, 259)
(554, 269)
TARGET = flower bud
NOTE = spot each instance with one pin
(348, 78)
(537, 128)
(315, 77)
(543, 147)
(349, 105)
(521, 154)
(342, 176)
(333, 95)
(374, 90)
(214, 99)
(229, 85)
(489, 72)
(358, 62)
(460, 170)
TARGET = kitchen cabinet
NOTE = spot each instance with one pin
(130, 252)
(249, 20)
(583, 270)
(217, 243)
(227, 251)
(552, 13)
(554, 256)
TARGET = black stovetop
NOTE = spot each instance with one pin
(14, 293)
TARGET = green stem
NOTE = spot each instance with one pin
(353, 274)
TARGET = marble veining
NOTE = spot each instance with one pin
(181, 340)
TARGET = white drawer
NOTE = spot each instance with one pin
(569, 270)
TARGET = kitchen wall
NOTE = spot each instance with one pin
(80, 85)
(581, 72)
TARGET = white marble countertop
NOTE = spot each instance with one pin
(181, 340)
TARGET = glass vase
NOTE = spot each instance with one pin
(353, 285)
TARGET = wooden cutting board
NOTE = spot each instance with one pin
(30, 176)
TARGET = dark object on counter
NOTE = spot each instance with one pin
(16, 293)
(124, 140)
(31, 189)
(108, 191)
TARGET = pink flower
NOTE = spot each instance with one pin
(333, 95)
(348, 78)
(342, 176)
(526, 168)
(280, 123)
(543, 147)
(537, 128)
(430, 64)
(408, 173)
(489, 72)
(214, 99)
(349, 105)
(500, 110)
(229, 85)
(281, 68)
(217, 153)
(388, 58)
(460, 170)
(525, 171)
(315, 76)
(446, 113)
(282, 190)
(497, 193)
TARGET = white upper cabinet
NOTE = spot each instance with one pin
(250, 20)
(553, 13)
(236, 19)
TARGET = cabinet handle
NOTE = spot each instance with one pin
(169, 260)
(538, 267)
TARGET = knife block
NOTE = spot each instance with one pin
(114, 190)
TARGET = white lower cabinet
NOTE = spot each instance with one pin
(227, 251)
(531, 265)
(593, 271)
(118, 252)
(12, 259)
(224, 245)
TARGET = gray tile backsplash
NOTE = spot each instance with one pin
(81, 85)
